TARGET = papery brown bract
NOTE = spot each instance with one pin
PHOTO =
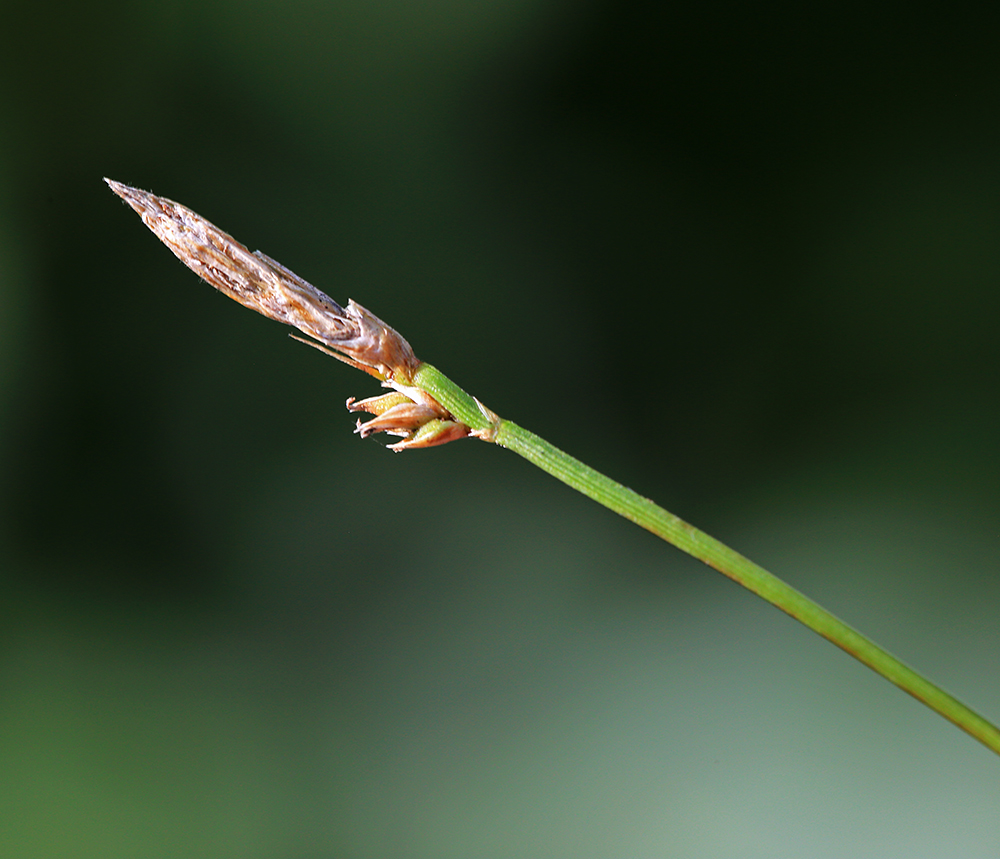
(262, 284)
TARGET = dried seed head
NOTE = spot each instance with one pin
(258, 282)
(350, 333)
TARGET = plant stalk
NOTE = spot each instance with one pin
(700, 545)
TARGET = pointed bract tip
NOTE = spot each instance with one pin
(139, 201)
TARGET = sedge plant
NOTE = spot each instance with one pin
(424, 408)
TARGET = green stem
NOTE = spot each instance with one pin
(700, 545)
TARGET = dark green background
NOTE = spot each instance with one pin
(743, 257)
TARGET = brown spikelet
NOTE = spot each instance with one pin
(258, 282)
(351, 334)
